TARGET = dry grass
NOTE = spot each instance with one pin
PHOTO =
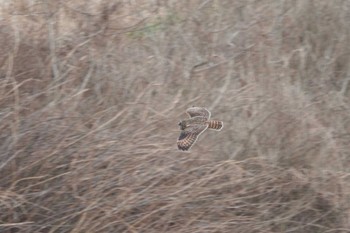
(91, 93)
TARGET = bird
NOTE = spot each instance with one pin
(191, 128)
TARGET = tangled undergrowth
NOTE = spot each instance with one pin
(91, 93)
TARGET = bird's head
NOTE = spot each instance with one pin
(182, 125)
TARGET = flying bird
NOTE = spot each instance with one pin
(191, 128)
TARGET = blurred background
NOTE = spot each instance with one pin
(91, 93)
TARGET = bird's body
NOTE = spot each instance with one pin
(191, 128)
(212, 124)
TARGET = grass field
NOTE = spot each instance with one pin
(91, 93)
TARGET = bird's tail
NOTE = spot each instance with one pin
(217, 125)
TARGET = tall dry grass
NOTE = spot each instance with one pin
(91, 93)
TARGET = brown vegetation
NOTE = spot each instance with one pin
(91, 93)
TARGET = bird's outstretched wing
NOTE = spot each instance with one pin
(189, 136)
(198, 111)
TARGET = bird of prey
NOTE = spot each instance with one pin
(191, 128)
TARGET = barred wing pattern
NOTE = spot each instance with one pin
(198, 111)
(189, 136)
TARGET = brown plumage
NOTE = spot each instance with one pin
(217, 125)
(194, 126)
